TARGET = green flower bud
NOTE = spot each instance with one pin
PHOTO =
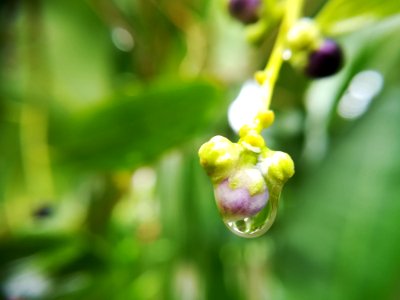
(304, 36)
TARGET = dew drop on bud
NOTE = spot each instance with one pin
(247, 183)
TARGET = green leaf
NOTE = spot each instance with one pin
(77, 53)
(132, 130)
(341, 234)
(342, 16)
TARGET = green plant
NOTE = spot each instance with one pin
(104, 105)
(247, 176)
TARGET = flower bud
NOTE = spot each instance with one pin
(248, 179)
(246, 11)
(325, 61)
(243, 199)
(219, 156)
(303, 36)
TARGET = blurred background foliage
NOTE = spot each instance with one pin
(103, 105)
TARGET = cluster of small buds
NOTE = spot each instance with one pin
(310, 52)
(247, 176)
(317, 56)
(243, 174)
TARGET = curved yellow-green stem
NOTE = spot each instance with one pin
(267, 77)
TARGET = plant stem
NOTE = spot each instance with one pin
(34, 115)
(267, 78)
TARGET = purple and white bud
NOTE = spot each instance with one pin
(238, 203)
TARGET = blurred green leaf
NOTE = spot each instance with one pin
(132, 130)
(78, 53)
(339, 239)
(156, 233)
(340, 16)
(17, 247)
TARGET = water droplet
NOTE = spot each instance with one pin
(287, 54)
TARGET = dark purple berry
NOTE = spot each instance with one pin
(325, 61)
(245, 10)
(43, 211)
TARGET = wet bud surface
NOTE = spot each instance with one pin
(237, 203)
(247, 182)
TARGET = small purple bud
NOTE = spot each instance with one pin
(325, 61)
(43, 211)
(236, 204)
(245, 10)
